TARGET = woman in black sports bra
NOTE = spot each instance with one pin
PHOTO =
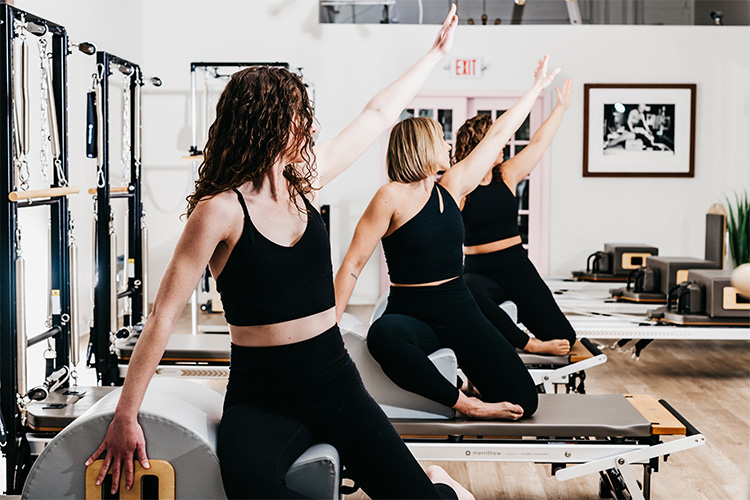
(429, 306)
(496, 267)
(251, 220)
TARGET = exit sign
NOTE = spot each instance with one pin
(466, 68)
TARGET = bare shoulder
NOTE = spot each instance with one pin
(394, 190)
(220, 211)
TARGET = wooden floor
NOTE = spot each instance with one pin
(707, 381)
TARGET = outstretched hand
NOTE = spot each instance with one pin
(121, 443)
(565, 95)
(541, 78)
(444, 40)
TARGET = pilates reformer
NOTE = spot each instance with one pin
(615, 262)
(550, 373)
(667, 280)
(594, 434)
(592, 297)
(704, 307)
(707, 298)
(110, 286)
(17, 399)
(653, 281)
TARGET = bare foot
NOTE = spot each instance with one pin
(476, 408)
(438, 475)
(556, 347)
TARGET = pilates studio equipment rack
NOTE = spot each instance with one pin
(61, 327)
(106, 295)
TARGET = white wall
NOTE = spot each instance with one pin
(349, 63)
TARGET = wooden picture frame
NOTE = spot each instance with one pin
(639, 130)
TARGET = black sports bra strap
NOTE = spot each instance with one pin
(242, 202)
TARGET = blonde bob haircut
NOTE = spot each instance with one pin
(414, 150)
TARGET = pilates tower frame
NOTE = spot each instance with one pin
(101, 339)
(60, 225)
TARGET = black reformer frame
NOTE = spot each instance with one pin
(16, 460)
(100, 344)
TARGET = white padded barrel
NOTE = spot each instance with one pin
(395, 401)
(180, 420)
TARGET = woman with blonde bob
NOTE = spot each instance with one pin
(429, 307)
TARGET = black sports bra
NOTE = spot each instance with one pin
(427, 247)
(264, 283)
(490, 214)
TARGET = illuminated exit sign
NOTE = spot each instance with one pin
(466, 68)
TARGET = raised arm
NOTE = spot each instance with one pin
(124, 440)
(335, 155)
(370, 228)
(466, 175)
(517, 168)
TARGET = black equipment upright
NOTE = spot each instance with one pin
(17, 24)
(106, 296)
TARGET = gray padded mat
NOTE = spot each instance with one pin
(205, 347)
(543, 359)
(46, 416)
(559, 415)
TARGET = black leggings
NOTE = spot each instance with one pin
(420, 320)
(282, 399)
(509, 275)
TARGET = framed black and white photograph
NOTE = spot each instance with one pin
(639, 130)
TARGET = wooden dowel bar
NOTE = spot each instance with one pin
(113, 189)
(43, 193)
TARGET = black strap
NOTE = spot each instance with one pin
(242, 202)
(3, 432)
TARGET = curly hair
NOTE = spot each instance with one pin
(263, 113)
(469, 135)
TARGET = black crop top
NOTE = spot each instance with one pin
(427, 247)
(490, 214)
(264, 283)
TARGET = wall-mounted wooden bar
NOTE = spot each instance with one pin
(43, 193)
(113, 189)
(198, 157)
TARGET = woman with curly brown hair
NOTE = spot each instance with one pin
(496, 267)
(418, 221)
(251, 219)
